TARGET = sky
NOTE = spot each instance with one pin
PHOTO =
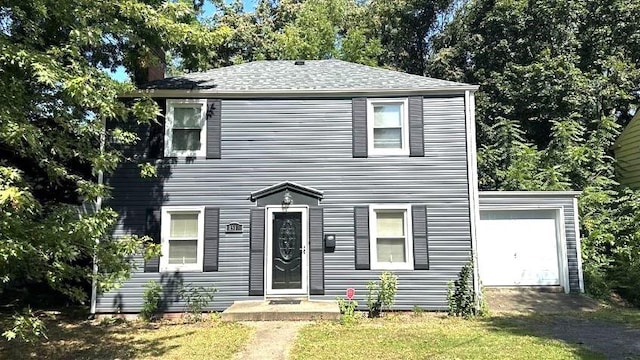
(208, 10)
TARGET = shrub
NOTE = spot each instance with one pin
(596, 283)
(484, 307)
(196, 300)
(381, 295)
(27, 327)
(151, 300)
(460, 294)
(347, 311)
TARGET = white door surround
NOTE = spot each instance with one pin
(303, 291)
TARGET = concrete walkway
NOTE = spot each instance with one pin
(271, 341)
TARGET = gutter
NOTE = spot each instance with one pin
(528, 193)
(292, 93)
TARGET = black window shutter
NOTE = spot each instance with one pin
(214, 117)
(359, 127)
(416, 127)
(420, 238)
(155, 145)
(316, 251)
(152, 229)
(211, 238)
(361, 221)
(256, 252)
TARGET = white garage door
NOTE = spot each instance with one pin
(518, 248)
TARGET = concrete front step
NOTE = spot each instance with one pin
(268, 310)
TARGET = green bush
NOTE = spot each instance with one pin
(625, 276)
(460, 294)
(347, 311)
(27, 327)
(596, 283)
(383, 294)
(151, 300)
(484, 307)
(196, 300)
(610, 246)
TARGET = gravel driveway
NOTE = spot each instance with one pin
(614, 340)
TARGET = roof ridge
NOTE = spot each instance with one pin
(323, 75)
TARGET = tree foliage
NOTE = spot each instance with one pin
(293, 29)
(558, 81)
(386, 33)
(56, 95)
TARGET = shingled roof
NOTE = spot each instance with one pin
(325, 76)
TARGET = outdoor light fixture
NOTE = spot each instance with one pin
(287, 200)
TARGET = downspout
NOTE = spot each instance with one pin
(474, 200)
(94, 284)
(576, 223)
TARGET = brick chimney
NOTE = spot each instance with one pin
(156, 64)
(156, 71)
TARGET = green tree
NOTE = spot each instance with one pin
(558, 81)
(295, 29)
(393, 34)
(56, 97)
(405, 29)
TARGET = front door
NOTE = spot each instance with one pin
(287, 240)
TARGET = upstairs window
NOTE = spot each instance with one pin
(387, 126)
(185, 131)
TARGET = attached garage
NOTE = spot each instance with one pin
(529, 239)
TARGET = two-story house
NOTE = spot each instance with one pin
(301, 179)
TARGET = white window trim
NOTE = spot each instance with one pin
(168, 133)
(373, 235)
(404, 110)
(166, 227)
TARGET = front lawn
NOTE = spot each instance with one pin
(396, 336)
(132, 340)
(428, 336)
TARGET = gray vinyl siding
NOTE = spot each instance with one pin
(309, 142)
(507, 200)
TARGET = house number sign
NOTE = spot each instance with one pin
(234, 228)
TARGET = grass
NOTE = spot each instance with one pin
(70, 339)
(429, 336)
(397, 336)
